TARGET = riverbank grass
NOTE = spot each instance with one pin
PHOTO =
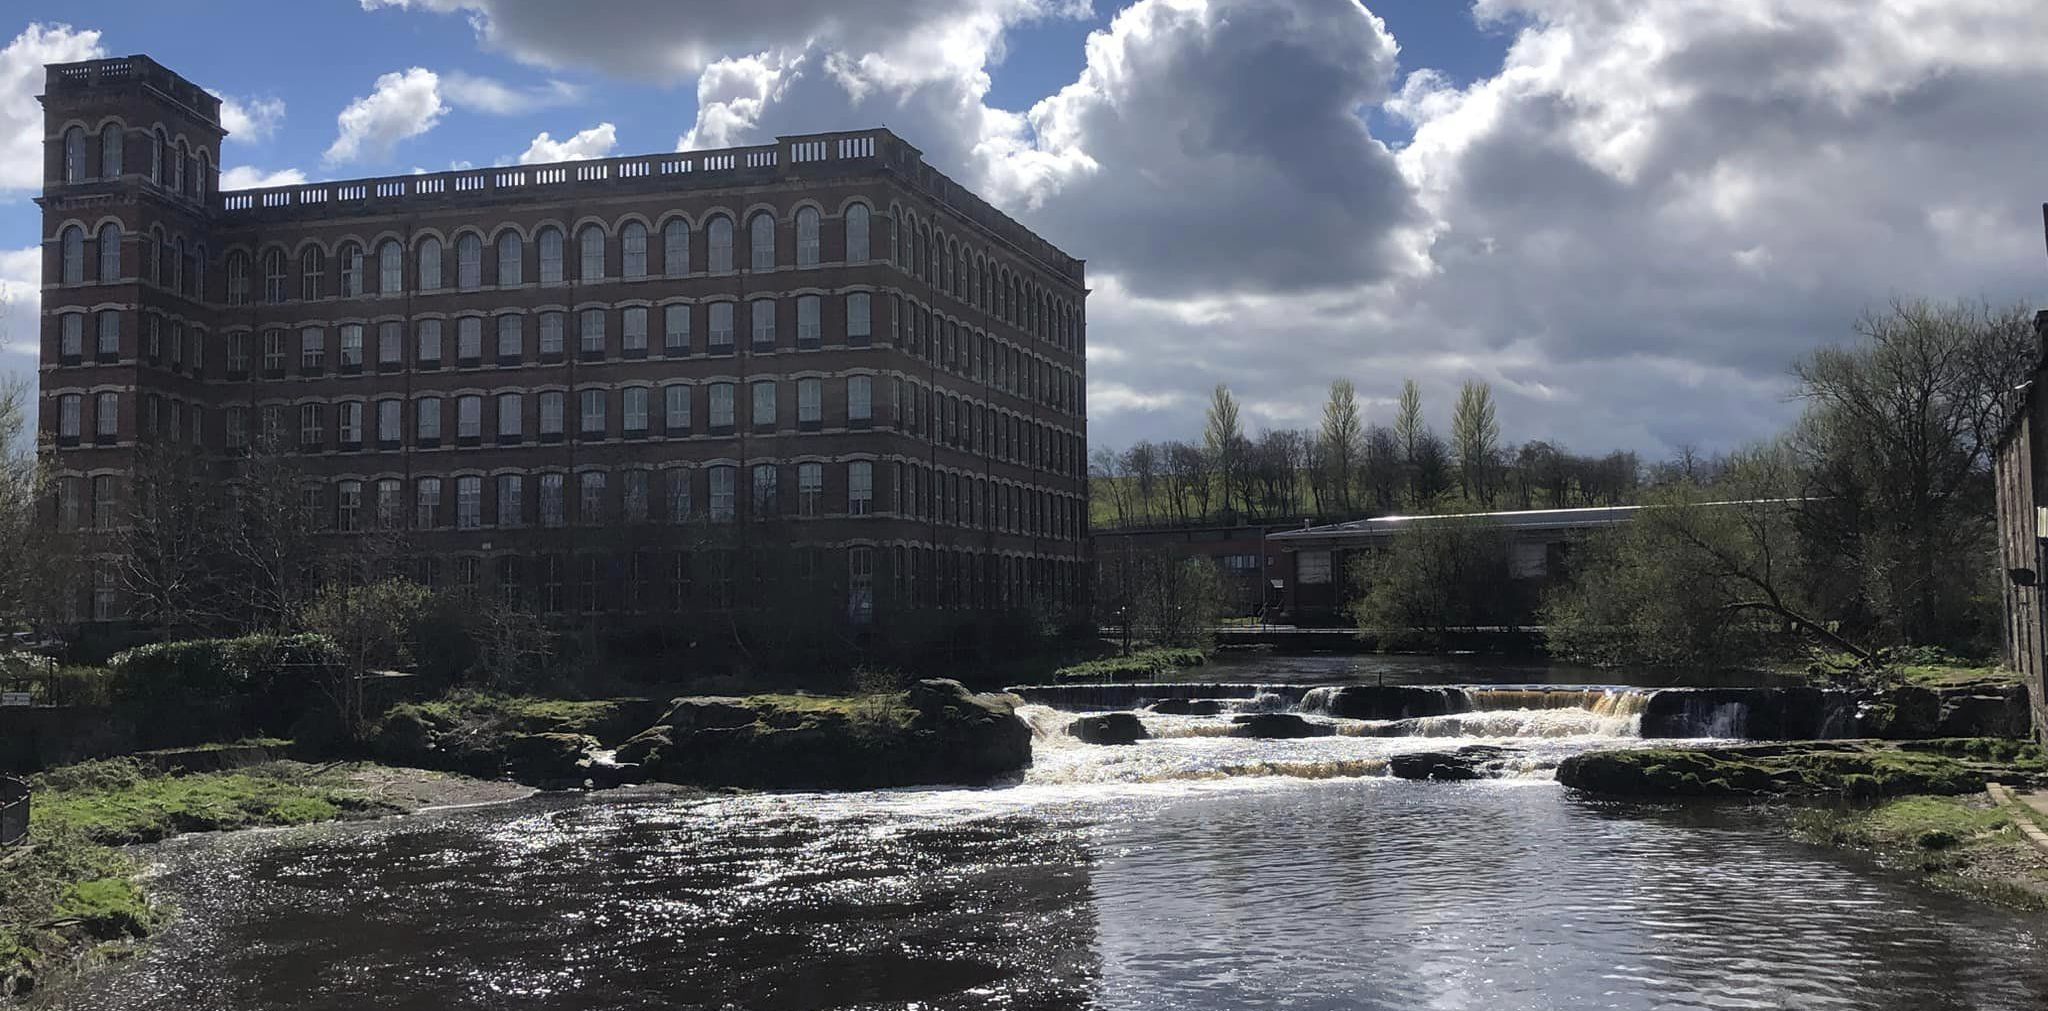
(1143, 665)
(1964, 844)
(121, 801)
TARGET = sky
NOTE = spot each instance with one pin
(1630, 217)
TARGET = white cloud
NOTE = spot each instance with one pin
(246, 177)
(21, 80)
(484, 94)
(596, 142)
(249, 121)
(21, 301)
(404, 104)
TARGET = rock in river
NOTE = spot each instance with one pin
(1109, 728)
(1188, 707)
(1474, 761)
(1277, 725)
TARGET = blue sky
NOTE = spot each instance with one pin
(1629, 218)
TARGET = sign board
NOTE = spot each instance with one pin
(15, 699)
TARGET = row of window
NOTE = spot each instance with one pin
(924, 250)
(354, 275)
(177, 168)
(166, 259)
(545, 498)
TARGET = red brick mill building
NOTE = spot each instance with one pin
(542, 373)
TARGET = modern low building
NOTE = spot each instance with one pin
(2020, 473)
(539, 372)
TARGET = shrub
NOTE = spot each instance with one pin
(218, 689)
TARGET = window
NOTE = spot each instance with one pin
(810, 404)
(761, 312)
(511, 338)
(807, 237)
(552, 512)
(69, 505)
(718, 244)
(430, 264)
(675, 329)
(590, 487)
(469, 503)
(71, 335)
(111, 139)
(590, 415)
(390, 268)
(348, 422)
(74, 155)
(634, 409)
(675, 247)
(551, 256)
(511, 259)
(469, 417)
(860, 488)
(238, 354)
(856, 233)
(511, 500)
(721, 408)
(390, 426)
(469, 261)
(351, 270)
(273, 350)
(860, 401)
(633, 495)
(110, 252)
(238, 276)
(810, 489)
(427, 421)
(721, 327)
(106, 416)
(469, 340)
(348, 505)
(722, 480)
(68, 423)
(156, 157)
(590, 332)
(73, 243)
(860, 584)
(390, 344)
(551, 414)
(429, 334)
(858, 330)
(764, 403)
(551, 326)
(511, 417)
(633, 331)
(590, 253)
(1312, 567)
(808, 331)
(678, 495)
(633, 250)
(390, 502)
(427, 515)
(352, 346)
(312, 428)
(766, 486)
(676, 408)
(761, 241)
(109, 346)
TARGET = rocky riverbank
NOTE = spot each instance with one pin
(1860, 769)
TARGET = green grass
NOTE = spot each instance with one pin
(1142, 665)
(882, 711)
(526, 714)
(1837, 768)
(121, 801)
(1964, 844)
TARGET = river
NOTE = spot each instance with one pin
(1190, 871)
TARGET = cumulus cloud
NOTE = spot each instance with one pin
(246, 177)
(405, 104)
(249, 121)
(596, 142)
(484, 94)
(21, 80)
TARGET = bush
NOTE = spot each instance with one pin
(202, 690)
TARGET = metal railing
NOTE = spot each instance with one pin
(13, 811)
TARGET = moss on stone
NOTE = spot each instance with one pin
(1863, 769)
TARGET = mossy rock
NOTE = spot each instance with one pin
(1849, 769)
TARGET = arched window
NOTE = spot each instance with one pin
(390, 268)
(312, 273)
(167, 262)
(807, 237)
(238, 277)
(675, 247)
(511, 258)
(429, 255)
(72, 243)
(198, 271)
(633, 250)
(178, 169)
(351, 256)
(590, 245)
(469, 261)
(273, 275)
(111, 138)
(156, 156)
(551, 256)
(110, 252)
(761, 241)
(718, 242)
(205, 172)
(74, 155)
(856, 233)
